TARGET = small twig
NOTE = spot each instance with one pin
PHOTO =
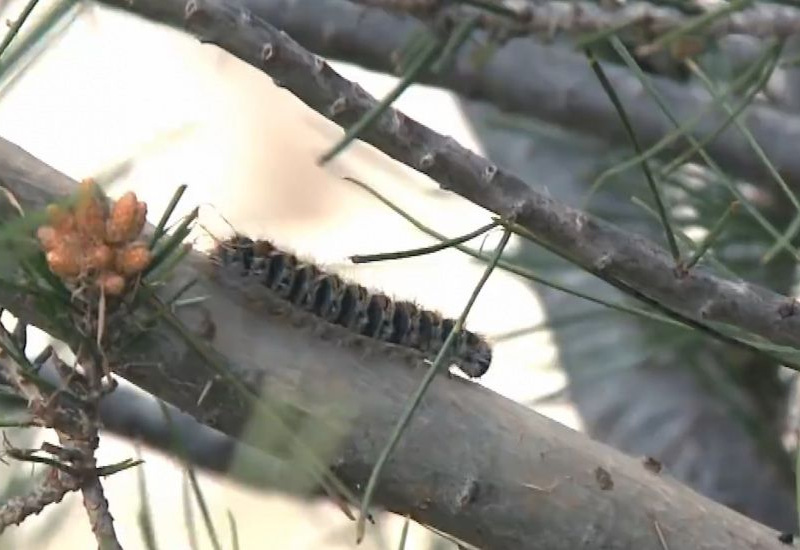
(711, 237)
(404, 534)
(413, 402)
(654, 188)
(162, 222)
(423, 61)
(181, 232)
(661, 539)
(234, 531)
(459, 35)
(646, 81)
(192, 477)
(366, 258)
(51, 490)
(12, 32)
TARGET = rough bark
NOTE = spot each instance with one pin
(645, 388)
(625, 260)
(507, 477)
(557, 86)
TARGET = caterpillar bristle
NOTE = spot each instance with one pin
(350, 305)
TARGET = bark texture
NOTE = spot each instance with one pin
(506, 478)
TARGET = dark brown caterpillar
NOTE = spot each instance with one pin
(351, 305)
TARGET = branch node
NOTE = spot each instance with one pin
(426, 161)
(267, 52)
(319, 64)
(338, 107)
(191, 10)
(489, 173)
(705, 309)
(467, 494)
(245, 17)
(788, 308)
(601, 263)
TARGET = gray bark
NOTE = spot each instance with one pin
(627, 261)
(506, 477)
(558, 87)
(642, 387)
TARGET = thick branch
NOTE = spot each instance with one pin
(764, 19)
(507, 478)
(624, 260)
(557, 85)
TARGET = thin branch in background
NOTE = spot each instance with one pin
(456, 39)
(410, 50)
(412, 404)
(663, 214)
(192, 477)
(16, 26)
(165, 216)
(161, 253)
(794, 226)
(711, 237)
(26, 49)
(754, 75)
(771, 57)
(144, 516)
(201, 503)
(787, 358)
(443, 245)
(516, 269)
(751, 209)
(688, 241)
(434, 55)
(759, 19)
(331, 29)
(423, 61)
(797, 480)
(234, 531)
(188, 514)
(692, 26)
(404, 534)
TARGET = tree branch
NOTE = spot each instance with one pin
(763, 20)
(629, 262)
(569, 96)
(507, 478)
(52, 489)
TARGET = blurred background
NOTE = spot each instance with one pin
(103, 90)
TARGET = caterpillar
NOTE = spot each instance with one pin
(348, 304)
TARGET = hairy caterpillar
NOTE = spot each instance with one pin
(350, 305)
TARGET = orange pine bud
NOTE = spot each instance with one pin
(90, 215)
(87, 186)
(59, 218)
(141, 218)
(133, 259)
(113, 284)
(64, 262)
(48, 237)
(122, 221)
(98, 258)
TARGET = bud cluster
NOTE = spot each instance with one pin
(95, 243)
